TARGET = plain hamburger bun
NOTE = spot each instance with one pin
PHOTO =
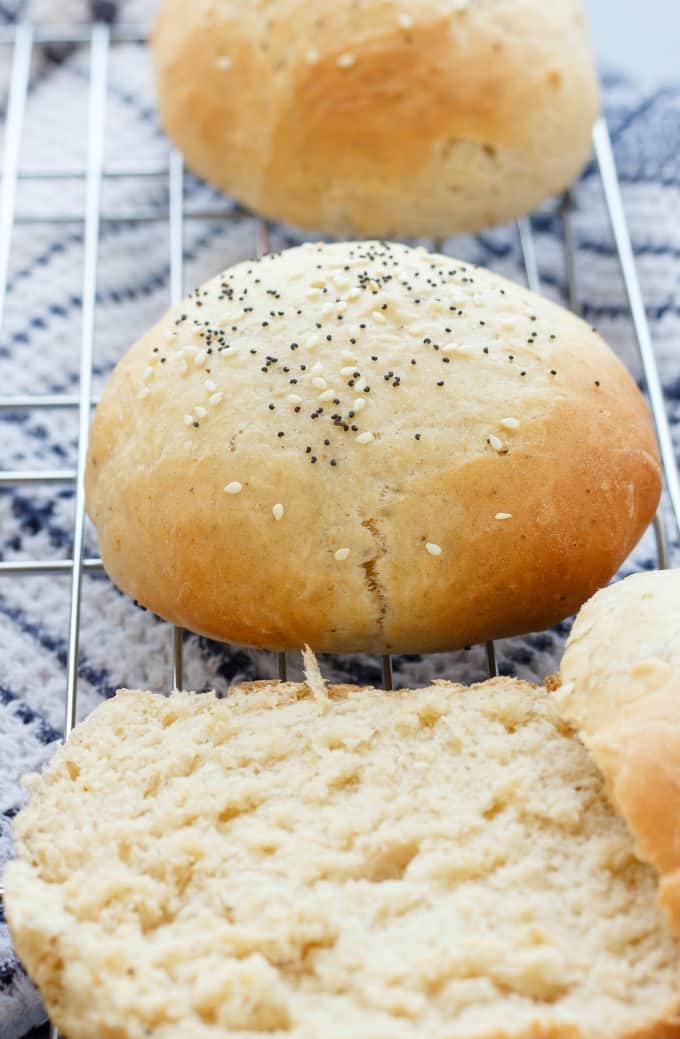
(439, 863)
(383, 117)
(621, 686)
(368, 447)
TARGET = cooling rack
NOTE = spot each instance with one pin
(17, 47)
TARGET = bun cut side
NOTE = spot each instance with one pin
(435, 862)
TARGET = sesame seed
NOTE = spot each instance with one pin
(224, 62)
(234, 487)
(365, 438)
(210, 386)
(312, 56)
(278, 511)
(327, 395)
(503, 516)
(148, 374)
(312, 342)
(379, 317)
(495, 443)
(294, 399)
(347, 370)
(319, 382)
(510, 423)
(345, 61)
(456, 348)
(188, 420)
(342, 554)
(434, 550)
(359, 403)
(405, 21)
(200, 357)
(200, 412)
(360, 384)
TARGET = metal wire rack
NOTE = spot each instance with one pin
(17, 45)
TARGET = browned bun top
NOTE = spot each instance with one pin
(621, 687)
(366, 446)
(379, 118)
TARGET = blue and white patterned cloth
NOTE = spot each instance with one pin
(120, 643)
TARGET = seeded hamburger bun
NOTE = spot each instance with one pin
(381, 118)
(621, 686)
(439, 862)
(368, 447)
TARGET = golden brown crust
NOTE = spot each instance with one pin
(667, 1027)
(577, 475)
(295, 112)
(621, 687)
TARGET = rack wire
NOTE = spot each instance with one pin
(21, 41)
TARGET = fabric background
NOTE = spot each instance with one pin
(120, 643)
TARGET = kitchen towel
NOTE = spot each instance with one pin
(39, 354)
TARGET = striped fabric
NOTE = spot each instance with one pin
(121, 644)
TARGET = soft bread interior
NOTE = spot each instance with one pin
(441, 862)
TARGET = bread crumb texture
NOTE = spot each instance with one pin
(436, 863)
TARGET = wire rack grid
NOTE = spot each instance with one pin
(17, 46)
